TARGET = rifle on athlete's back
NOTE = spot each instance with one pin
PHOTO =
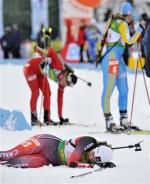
(99, 55)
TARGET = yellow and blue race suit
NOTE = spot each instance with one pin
(113, 65)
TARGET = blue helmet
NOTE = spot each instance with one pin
(126, 8)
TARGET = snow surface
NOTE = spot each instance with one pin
(82, 105)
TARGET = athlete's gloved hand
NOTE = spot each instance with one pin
(67, 79)
(62, 77)
(107, 165)
(71, 79)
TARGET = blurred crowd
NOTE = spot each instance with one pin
(11, 42)
(88, 39)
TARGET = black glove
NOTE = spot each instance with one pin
(70, 76)
(72, 79)
(107, 165)
(104, 143)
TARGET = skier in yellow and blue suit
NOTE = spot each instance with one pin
(113, 65)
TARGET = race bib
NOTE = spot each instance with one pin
(113, 67)
(45, 66)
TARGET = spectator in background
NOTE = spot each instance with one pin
(146, 43)
(1, 52)
(5, 42)
(15, 41)
(81, 39)
(69, 37)
(92, 36)
(11, 42)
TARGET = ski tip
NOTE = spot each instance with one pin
(140, 132)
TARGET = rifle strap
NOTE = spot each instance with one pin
(108, 51)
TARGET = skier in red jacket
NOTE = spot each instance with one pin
(45, 149)
(36, 71)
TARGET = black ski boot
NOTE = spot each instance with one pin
(124, 120)
(34, 120)
(125, 123)
(47, 120)
(110, 125)
(64, 121)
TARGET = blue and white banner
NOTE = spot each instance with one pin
(1, 19)
(39, 15)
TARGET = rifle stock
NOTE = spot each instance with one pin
(103, 40)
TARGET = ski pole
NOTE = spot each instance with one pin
(137, 146)
(146, 87)
(133, 95)
(86, 173)
(42, 99)
(68, 68)
(85, 81)
(148, 97)
(47, 43)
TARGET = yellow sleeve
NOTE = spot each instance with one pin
(125, 34)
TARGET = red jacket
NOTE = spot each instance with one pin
(56, 63)
(33, 65)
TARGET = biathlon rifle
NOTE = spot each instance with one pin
(103, 42)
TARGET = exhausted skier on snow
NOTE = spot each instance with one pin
(45, 149)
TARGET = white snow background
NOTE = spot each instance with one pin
(82, 105)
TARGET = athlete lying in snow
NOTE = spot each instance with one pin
(45, 149)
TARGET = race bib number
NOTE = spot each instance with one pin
(113, 67)
(30, 142)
